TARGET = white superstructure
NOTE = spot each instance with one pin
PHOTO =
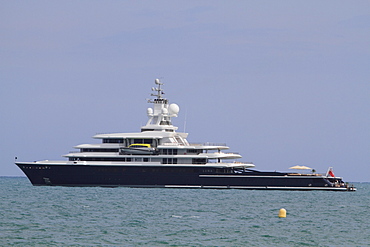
(158, 143)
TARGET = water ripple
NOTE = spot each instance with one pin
(63, 216)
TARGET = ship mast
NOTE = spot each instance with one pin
(158, 89)
(161, 113)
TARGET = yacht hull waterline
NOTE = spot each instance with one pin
(176, 163)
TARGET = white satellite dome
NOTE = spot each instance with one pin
(149, 111)
(173, 109)
(164, 111)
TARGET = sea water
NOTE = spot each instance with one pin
(94, 216)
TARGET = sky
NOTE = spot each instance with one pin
(282, 83)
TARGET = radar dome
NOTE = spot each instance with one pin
(164, 111)
(173, 109)
(149, 111)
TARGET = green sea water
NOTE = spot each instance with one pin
(93, 216)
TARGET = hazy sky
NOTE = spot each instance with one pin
(281, 82)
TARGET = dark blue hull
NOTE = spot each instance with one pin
(171, 177)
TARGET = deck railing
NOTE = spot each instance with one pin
(207, 144)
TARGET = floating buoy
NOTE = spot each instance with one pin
(282, 213)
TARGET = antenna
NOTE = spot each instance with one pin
(186, 115)
(158, 90)
(158, 82)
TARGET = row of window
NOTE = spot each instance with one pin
(111, 150)
(165, 122)
(167, 130)
(164, 161)
(110, 159)
(121, 140)
(197, 151)
(168, 151)
(142, 141)
(169, 161)
(36, 167)
(112, 140)
(200, 161)
(150, 170)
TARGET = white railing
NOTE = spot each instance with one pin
(172, 144)
(207, 144)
